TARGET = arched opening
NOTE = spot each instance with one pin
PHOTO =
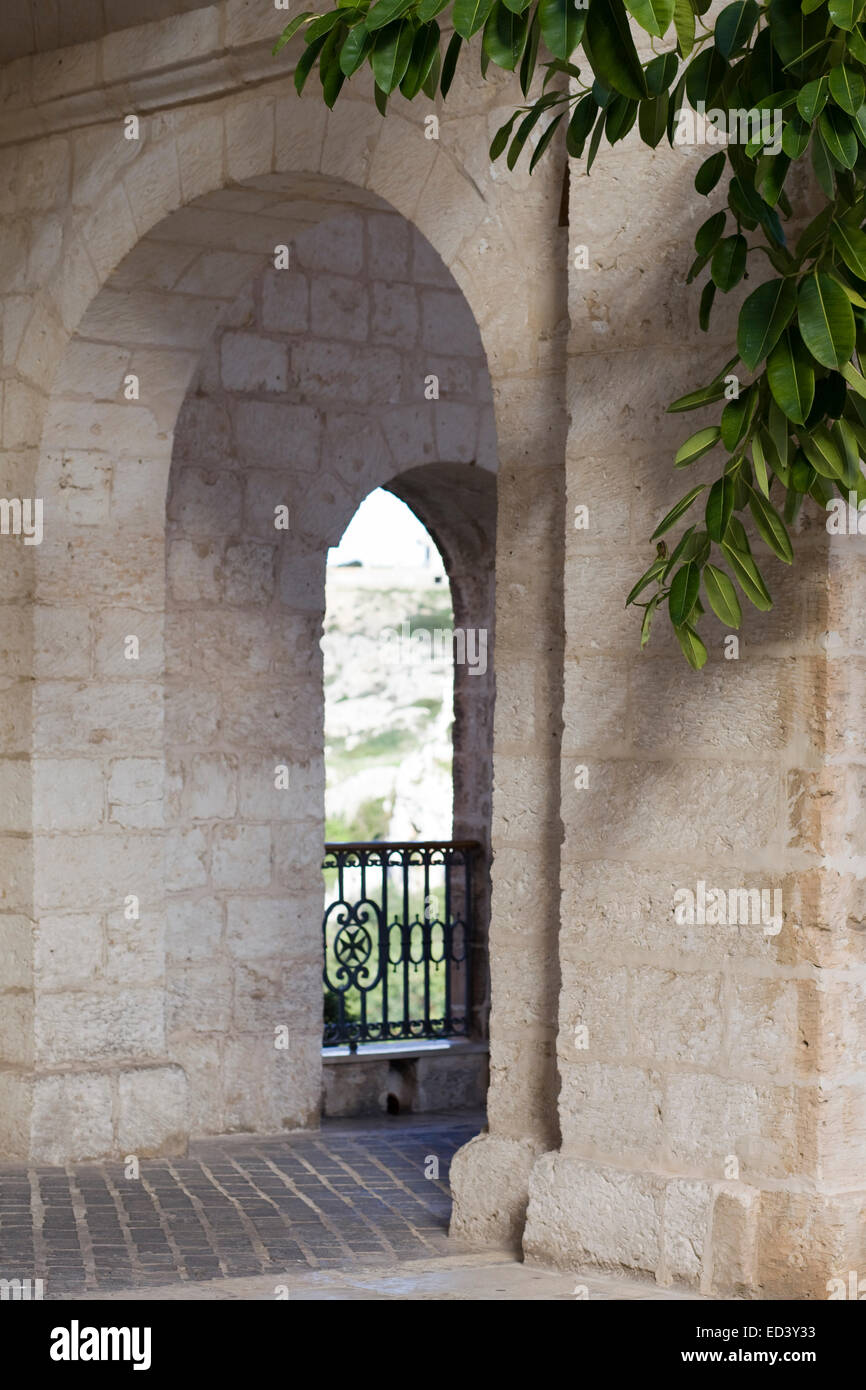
(389, 679)
(210, 387)
(406, 644)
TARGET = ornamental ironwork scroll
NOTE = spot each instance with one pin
(397, 934)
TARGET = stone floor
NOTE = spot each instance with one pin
(485, 1276)
(356, 1211)
(351, 1194)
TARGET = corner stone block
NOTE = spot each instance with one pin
(153, 1112)
(490, 1187)
(582, 1214)
(71, 1118)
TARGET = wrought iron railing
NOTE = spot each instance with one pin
(397, 934)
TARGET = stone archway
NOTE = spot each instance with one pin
(366, 312)
(217, 126)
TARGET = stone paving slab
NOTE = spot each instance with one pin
(234, 1209)
(487, 1277)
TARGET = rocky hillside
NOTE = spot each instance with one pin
(388, 705)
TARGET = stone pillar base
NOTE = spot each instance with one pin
(71, 1116)
(490, 1189)
(724, 1239)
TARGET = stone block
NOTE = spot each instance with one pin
(153, 1112)
(71, 1118)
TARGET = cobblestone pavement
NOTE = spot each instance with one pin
(236, 1208)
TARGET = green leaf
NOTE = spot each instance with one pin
(449, 63)
(428, 9)
(500, 139)
(684, 590)
(330, 74)
(683, 545)
(469, 16)
(684, 23)
(708, 294)
(770, 526)
(698, 444)
(581, 123)
(290, 30)
(709, 233)
(385, 12)
(430, 85)
(425, 50)
(734, 25)
(619, 118)
(392, 50)
(610, 48)
(813, 98)
(826, 320)
(842, 12)
(839, 137)
(823, 165)
(504, 36)
(562, 26)
(763, 317)
(823, 453)
(729, 262)
(736, 418)
(545, 141)
(748, 576)
(646, 625)
(306, 62)
(847, 88)
(655, 571)
(795, 137)
(710, 172)
(594, 143)
(660, 73)
(760, 465)
(720, 505)
(777, 432)
(693, 648)
(850, 242)
(355, 49)
(526, 125)
(653, 120)
(676, 512)
(722, 596)
(695, 399)
(854, 379)
(323, 24)
(860, 124)
(791, 378)
(530, 54)
(652, 15)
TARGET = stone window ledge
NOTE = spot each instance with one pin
(402, 1050)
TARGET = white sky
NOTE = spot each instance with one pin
(384, 531)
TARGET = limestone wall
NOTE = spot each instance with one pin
(708, 1126)
(310, 394)
(120, 256)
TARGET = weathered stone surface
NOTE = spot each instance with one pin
(305, 388)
